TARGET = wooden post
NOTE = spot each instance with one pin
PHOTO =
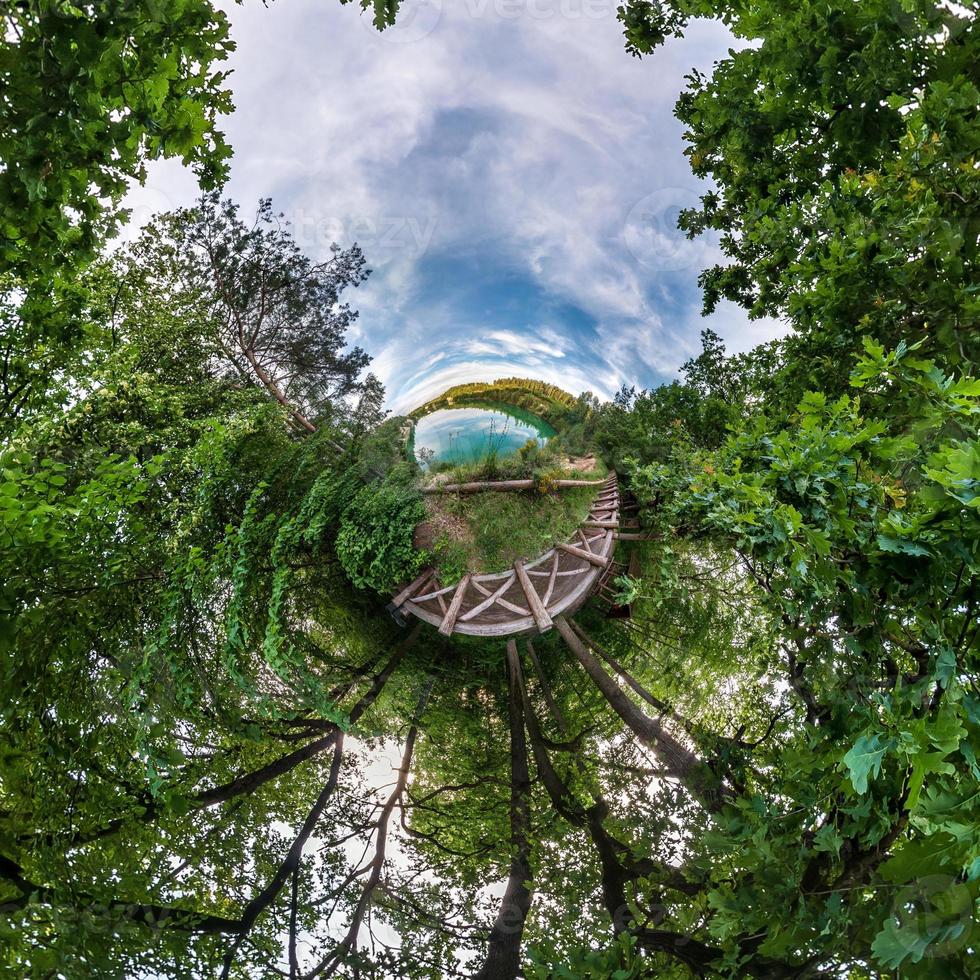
(449, 620)
(413, 588)
(537, 608)
(598, 560)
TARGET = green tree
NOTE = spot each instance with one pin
(768, 770)
(841, 142)
(91, 93)
(266, 311)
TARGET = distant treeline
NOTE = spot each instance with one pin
(543, 399)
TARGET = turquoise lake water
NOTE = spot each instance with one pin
(467, 435)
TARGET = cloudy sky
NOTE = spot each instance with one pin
(512, 175)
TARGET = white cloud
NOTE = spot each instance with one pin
(510, 152)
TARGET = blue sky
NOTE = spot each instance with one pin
(512, 175)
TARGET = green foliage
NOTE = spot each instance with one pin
(141, 82)
(179, 544)
(621, 962)
(451, 557)
(716, 393)
(374, 543)
(532, 461)
(382, 449)
(863, 540)
(841, 144)
(264, 311)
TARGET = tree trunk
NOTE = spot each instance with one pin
(334, 959)
(617, 867)
(479, 486)
(680, 761)
(290, 865)
(276, 391)
(549, 698)
(503, 960)
(631, 681)
(251, 781)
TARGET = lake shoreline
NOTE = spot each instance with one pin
(518, 426)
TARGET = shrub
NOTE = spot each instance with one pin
(374, 544)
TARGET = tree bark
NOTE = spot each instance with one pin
(633, 683)
(503, 961)
(618, 868)
(680, 761)
(276, 391)
(546, 692)
(478, 486)
(150, 915)
(290, 865)
(330, 964)
(249, 782)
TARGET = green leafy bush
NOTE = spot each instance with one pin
(374, 544)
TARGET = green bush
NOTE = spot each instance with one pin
(374, 544)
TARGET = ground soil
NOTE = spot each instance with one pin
(440, 522)
(580, 464)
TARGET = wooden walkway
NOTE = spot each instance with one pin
(527, 597)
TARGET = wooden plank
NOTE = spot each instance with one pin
(489, 601)
(502, 602)
(603, 524)
(551, 582)
(414, 587)
(534, 602)
(599, 560)
(478, 486)
(449, 620)
(432, 595)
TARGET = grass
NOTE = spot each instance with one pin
(493, 529)
(529, 462)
